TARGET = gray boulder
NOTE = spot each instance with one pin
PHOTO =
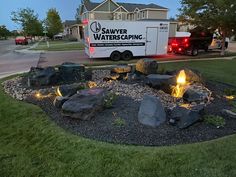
(59, 101)
(185, 117)
(70, 72)
(229, 113)
(151, 111)
(85, 104)
(159, 81)
(69, 90)
(147, 66)
(42, 76)
(193, 95)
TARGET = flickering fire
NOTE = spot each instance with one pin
(179, 89)
(58, 92)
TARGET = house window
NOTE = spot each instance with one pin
(118, 16)
(143, 14)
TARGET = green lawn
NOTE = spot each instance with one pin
(32, 145)
(59, 46)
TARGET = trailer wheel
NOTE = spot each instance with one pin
(127, 55)
(194, 51)
(115, 56)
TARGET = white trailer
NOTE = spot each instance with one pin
(125, 39)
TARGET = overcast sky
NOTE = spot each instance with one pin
(66, 8)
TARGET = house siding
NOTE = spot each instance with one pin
(157, 14)
(107, 7)
(173, 29)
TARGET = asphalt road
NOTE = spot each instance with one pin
(12, 62)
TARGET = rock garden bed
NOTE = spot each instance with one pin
(130, 105)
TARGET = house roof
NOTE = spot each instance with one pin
(69, 22)
(128, 6)
(131, 7)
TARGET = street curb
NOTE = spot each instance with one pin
(171, 61)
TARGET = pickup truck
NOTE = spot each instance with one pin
(192, 43)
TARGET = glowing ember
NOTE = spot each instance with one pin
(38, 95)
(179, 89)
(92, 84)
(58, 92)
(230, 97)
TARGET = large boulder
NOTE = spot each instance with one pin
(151, 111)
(196, 93)
(71, 72)
(159, 81)
(147, 66)
(85, 104)
(69, 90)
(59, 101)
(184, 117)
(42, 76)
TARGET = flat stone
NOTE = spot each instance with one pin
(85, 104)
(147, 66)
(159, 81)
(194, 95)
(151, 111)
(121, 69)
(229, 113)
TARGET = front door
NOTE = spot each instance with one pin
(151, 41)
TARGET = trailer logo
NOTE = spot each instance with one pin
(95, 27)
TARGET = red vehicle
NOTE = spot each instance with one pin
(21, 40)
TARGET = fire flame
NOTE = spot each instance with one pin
(179, 89)
(58, 92)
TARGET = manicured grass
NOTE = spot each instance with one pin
(60, 46)
(32, 145)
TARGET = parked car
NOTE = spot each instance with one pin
(21, 40)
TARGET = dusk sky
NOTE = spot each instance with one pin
(66, 8)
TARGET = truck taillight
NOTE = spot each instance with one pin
(186, 40)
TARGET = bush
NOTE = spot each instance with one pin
(109, 100)
(119, 122)
(217, 121)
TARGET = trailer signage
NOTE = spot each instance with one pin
(112, 34)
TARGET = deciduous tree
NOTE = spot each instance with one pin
(210, 14)
(29, 21)
(53, 22)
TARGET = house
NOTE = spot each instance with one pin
(112, 10)
(67, 27)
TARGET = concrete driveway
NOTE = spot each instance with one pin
(12, 62)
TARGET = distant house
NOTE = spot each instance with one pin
(66, 27)
(111, 10)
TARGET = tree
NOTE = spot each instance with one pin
(29, 21)
(53, 23)
(211, 15)
(4, 32)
